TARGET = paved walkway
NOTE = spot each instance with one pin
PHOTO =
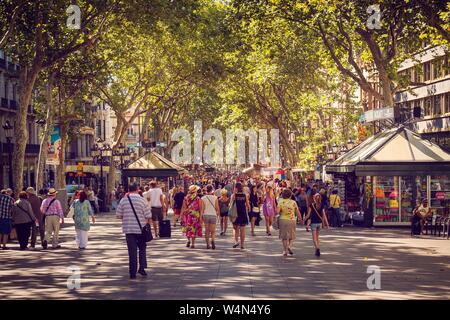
(411, 268)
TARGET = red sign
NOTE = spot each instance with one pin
(440, 195)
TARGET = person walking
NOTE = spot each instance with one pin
(302, 202)
(178, 199)
(191, 215)
(335, 204)
(254, 208)
(155, 198)
(224, 204)
(132, 208)
(37, 227)
(82, 211)
(318, 218)
(54, 217)
(23, 219)
(91, 198)
(6, 206)
(288, 211)
(269, 208)
(210, 213)
(242, 202)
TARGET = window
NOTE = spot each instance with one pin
(437, 108)
(428, 106)
(417, 74)
(6, 89)
(427, 71)
(99, 128)
(438, 68)
(446, 64)
(447, 102)
(418, 105)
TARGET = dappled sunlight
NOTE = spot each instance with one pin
(412, 268)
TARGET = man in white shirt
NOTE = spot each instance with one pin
(156, 201)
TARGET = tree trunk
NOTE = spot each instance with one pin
(388, 94)
(43, 149)
(27, 81)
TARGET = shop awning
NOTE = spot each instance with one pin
(394, 152)
(153, 164)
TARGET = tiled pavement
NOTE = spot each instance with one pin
(411, 268)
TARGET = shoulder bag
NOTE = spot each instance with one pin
(146, 231)
(232, 210)
(320, 216)
(26, 211)
(48, 207)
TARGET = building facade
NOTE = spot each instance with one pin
(427, 105)
(9, 104)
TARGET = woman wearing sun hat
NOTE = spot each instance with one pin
(191, 216)
(54, 217)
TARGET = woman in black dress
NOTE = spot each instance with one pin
(242, 207)
(254, 205)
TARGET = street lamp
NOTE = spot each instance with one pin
(8, 128)
(98, 152)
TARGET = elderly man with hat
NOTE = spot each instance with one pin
(36, 202)
(54, 216)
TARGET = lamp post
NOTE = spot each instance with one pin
(99, 151)
(8, 128)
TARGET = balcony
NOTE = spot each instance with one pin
(13, 104)
(4, 103)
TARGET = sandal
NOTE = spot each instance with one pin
(236, 245)
(192, 246)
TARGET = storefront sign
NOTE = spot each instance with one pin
(378, 114)
(80, 169)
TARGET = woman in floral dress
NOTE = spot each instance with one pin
(82, 212)
(191, 216)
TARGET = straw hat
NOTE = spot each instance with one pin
(193, 188)
(52, 192)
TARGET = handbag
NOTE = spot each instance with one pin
(232, 211)
(26, 211)
(146, 230)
